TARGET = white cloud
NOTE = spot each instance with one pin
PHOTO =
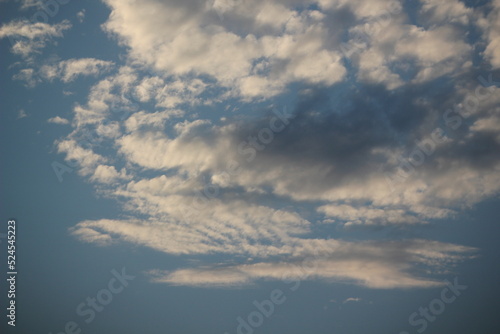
(86, 159)
(58, 120)
(108, 174)
(21, 114)
(232, 228)
(364, 9)
(28, 38)
(30, 3)
(69, 70)
(192, 155)
(379, 270)
(375, 265)
(89, 235)
(451, 11)
(128, 91)
(352, 299)
(141, 120)
(29, 76)
(81, 15)
(395, 47)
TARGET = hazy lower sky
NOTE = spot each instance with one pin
(237, 166)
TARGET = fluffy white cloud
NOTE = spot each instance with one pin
(394, 48)
(58, 120)
(194, 41)
(452, 11)
(93, 236)
(86, 159)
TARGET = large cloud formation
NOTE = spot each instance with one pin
(391, 118)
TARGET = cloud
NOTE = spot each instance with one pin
(21, 114)
(198, 204)
(93, 236)
(85, 158)
(396, 50)
(58, 120)
(108, 174)
(450, 11)
(141, 120)
(81, 15)
(29, 76)
(368, 215)
(185, 225)
(492, 28)
(384, 269)
(25, 4)
(184, 46)
(192, 136)
(352, 299)
(29, 38)
(69, 70)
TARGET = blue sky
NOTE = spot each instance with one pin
(235, 166)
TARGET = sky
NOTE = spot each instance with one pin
(237, 166)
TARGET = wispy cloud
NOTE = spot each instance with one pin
(28, 38)
(383, 271)
(21, 114)
(69, 70)
(352, 299)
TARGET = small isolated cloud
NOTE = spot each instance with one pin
(81, 15)
(21, 114)
(293, 50)
(58, 120)
(29, 38)
(352, 299)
